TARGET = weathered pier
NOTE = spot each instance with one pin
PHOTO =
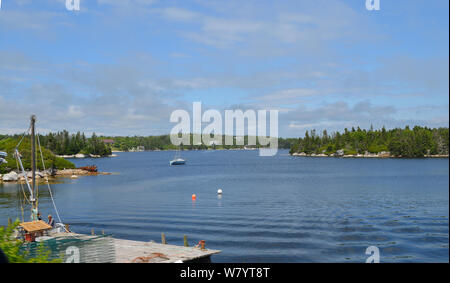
(142, 252)
(128, 251)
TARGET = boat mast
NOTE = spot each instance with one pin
(33, 168)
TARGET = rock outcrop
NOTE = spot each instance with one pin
(10, 177)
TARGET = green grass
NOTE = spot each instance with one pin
(8, 145)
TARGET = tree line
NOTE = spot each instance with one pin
(64, 143)
(406, 142)
(163, 143)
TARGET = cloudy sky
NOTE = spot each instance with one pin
(120, 67)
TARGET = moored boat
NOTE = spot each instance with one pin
(177, 159)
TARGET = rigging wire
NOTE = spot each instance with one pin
(17, 157)
(48, 183)
(21, 184)
(19, 161)
(23, 136)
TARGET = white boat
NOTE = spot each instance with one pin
(2, 157)
(177, 160)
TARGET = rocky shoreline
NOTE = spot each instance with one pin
(80, 155)
(340, 153)
(19, 178)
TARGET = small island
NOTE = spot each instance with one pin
(418, 142)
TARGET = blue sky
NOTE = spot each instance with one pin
(120, 67)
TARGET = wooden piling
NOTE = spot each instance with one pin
(9, 221)
(202, 244)
(185, 240)
(93, 232)
(163, 239)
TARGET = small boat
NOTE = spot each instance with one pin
(2, 157)
(177, 160)
(92, 169)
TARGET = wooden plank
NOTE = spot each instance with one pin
(128, 251)
(35, 226)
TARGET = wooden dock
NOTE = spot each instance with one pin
(127, 251)
(133, 251)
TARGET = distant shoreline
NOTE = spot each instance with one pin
(81, 156)
(297, 154)
(371, 155)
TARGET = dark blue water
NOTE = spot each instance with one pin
(273, 209)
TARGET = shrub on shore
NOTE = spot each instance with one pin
(12, 248)
(50, 160)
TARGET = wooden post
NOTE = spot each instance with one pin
(92, 232)
(163, 239)
(103, 232)
(33, 167)
(9, 221)
(185, 239)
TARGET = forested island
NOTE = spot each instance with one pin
(407, 142)
(410, 143)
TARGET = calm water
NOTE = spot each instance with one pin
(278, 209)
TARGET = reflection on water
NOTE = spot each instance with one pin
(279, 209)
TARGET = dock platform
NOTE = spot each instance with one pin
(133, 251)
(128, 251)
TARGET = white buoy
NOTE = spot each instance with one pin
(219, 191)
